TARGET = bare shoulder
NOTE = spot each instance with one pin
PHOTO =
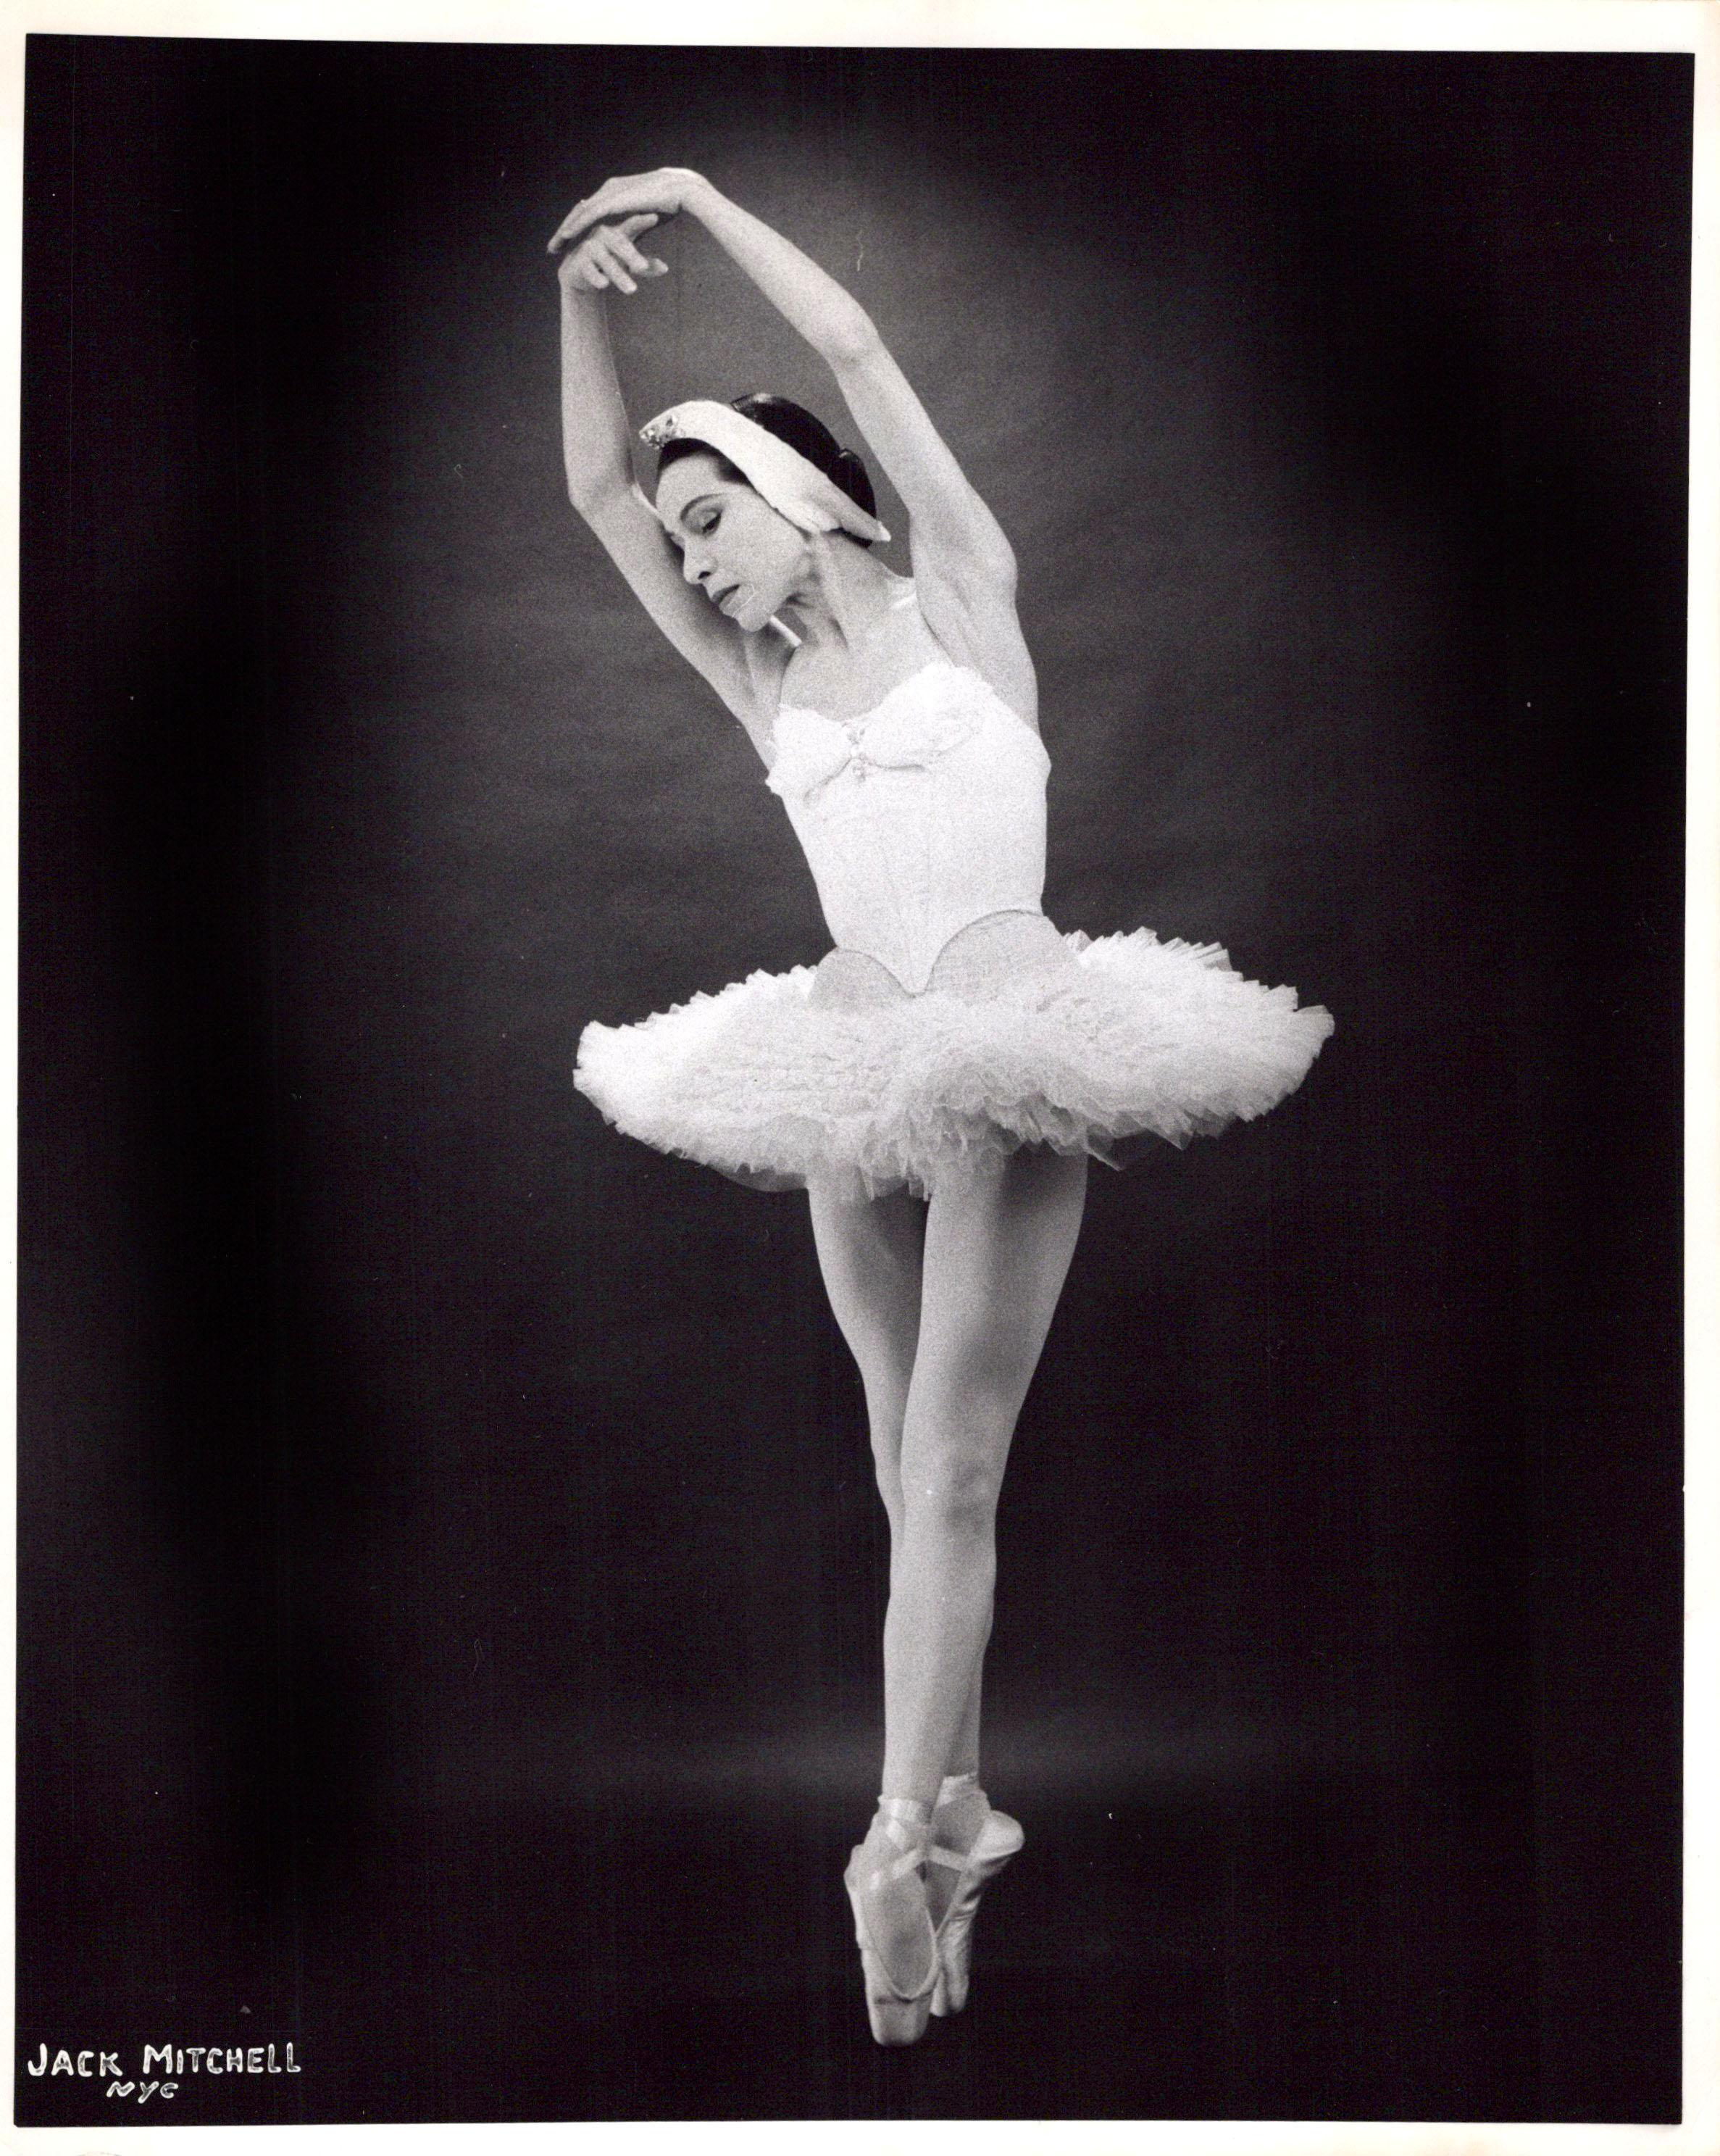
(975, 619)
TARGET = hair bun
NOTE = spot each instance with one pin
(804, 431)
(852, 476)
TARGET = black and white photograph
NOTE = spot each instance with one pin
(853, 892)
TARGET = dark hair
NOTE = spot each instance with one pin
(801, 430)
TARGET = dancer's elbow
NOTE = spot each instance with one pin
(850, 337)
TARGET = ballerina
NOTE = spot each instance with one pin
(938, 1083)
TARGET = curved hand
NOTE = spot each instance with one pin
(606, 257)
(661, 193)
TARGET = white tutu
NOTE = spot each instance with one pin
(1038, 1038)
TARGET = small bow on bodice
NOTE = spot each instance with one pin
(812, 750)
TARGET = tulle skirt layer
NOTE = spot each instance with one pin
(1024, 1037)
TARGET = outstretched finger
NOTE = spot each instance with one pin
(623, 250)
(613, 267)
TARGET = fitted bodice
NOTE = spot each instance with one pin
(918, 817)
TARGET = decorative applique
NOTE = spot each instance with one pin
(812, 752)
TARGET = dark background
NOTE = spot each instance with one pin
(449, 1575)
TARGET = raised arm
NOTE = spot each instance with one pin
(962, 559)
(596, 451)
(949, 520)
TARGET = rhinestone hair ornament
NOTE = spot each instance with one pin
(791, 484)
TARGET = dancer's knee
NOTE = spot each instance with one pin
(951, 1478)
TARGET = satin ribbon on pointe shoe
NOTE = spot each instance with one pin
(998, 1838)
(897, 2016)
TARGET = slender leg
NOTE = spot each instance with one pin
(869, 1252)
(998, 1244)
(946, 1310)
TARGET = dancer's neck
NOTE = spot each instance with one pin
(846, 597)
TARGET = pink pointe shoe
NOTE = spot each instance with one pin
(997, 1840)
(897, 2016)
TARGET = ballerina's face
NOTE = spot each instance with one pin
(747, 560)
